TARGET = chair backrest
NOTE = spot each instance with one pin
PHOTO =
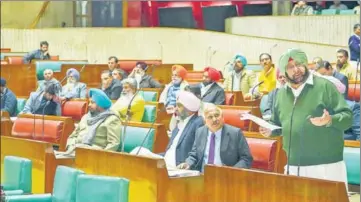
(15, 60)
(3, 55)
(232, 117)
(149, 96)
(150, 112)
(347, 12)
(17, 174)
(353, 92)
(329, 12)
(92, 188)
(128, 65)
(229, 98)
(191, 75)
(135, 136)
(75, 109)
(263, 103)
(65, 181)
(351, 157)
(20, 104)
(263, 152)
(53, 65)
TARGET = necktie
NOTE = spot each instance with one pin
(212, 146)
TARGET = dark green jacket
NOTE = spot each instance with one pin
(312, 145)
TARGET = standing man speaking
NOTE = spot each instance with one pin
(313, 116)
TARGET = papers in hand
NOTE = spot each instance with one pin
(145, 152)
(259, 121)
(64, 155)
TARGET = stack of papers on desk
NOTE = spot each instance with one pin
(64, 155)
(182, 173)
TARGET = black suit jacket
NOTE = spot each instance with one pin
(186, 139)
(214, 95)
(343, 80)
(234, 150)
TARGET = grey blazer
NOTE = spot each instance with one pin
(148, 82)
(234, 150)
(33, 103)
(186, 139)
(79, 91)
(214, 95)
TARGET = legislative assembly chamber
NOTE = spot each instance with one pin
(180, 101)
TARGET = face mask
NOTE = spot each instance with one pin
(138, 77)
(177, 81)
(206, 83)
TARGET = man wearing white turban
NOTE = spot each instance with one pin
(188, 121)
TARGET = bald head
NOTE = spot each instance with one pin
(48, 74)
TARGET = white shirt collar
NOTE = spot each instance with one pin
(297, 92)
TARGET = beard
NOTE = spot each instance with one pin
(299, 80)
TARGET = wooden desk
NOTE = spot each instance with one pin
(148, 177)
(6, 124)
(20, 79)
(41, 155)
(240, 185)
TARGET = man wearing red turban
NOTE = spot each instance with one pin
(210, 90)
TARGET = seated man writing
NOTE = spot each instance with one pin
(217, 143)
(122, 104)
(100, 128)
(43, 102)
(187, 122)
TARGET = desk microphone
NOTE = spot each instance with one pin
(47, 103)
(301, 144)
(146, 136)
(254, 88)
(290, 139)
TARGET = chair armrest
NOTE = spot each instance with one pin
(30, 198)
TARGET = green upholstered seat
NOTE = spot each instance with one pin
(135, 136)
(149, 96)
(149, 113)
(53, 65)
(93, 188)
(20, 105)
(263, 103)
(351, 157)
(347, 12)
(3, 55)
(329, 12)
(17, 175)
(64, 188)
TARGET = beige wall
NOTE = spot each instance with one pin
(21, 14)
(333, 30)
(179, 45)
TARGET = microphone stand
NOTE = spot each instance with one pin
(128, 113)
(290, 139)
(146, 136)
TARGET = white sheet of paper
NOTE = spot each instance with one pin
(182, 173)
(259, 121)
(145, 152)
(64, 155)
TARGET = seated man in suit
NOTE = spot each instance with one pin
(8, 99)
(210, 90)
(100, 128)
(111, 87)
(73, 88)
(325, 68)
(217, 143)
(188, 121)
(137, 103)
(49, 79)
(113, 65)
(171, 90)
(43, 102)
(40, 54)
(143, 80)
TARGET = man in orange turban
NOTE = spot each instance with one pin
(171, 91)
(210, 90)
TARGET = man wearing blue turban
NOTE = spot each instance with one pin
(100, 128)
